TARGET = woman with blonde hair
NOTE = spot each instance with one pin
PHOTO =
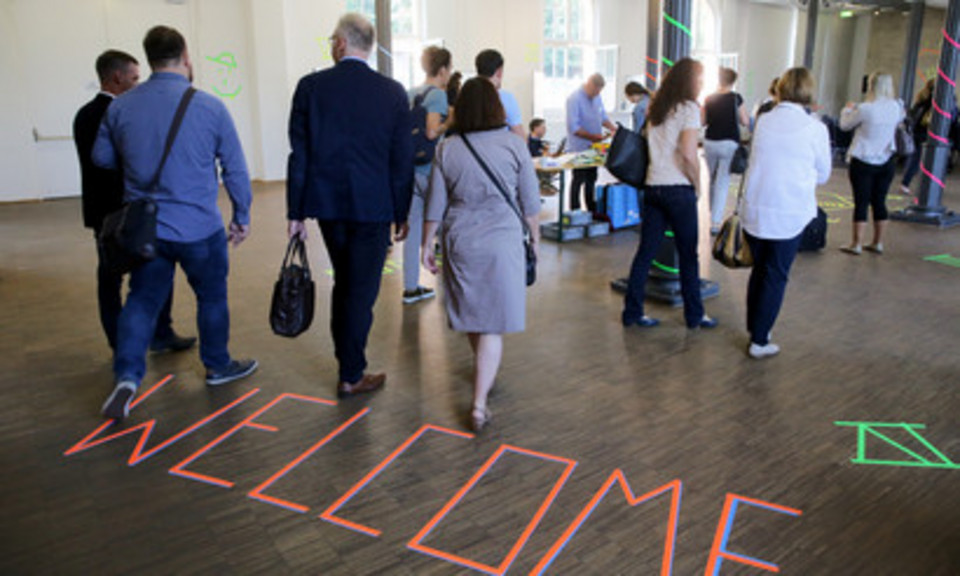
(432, 97)
(871, 158)
(790, 156)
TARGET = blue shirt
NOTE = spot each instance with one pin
(640, 112)
(133, 134)
(583, 113)
(435, 101)
(511, 109)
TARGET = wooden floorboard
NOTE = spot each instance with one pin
(867, 339)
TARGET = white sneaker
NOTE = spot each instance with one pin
(757, 351)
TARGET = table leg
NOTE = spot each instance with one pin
(563, 188)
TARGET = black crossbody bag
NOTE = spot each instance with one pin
(531, 255)
(128, 237)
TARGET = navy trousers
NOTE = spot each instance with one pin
(772, 260)
(357, 251)
(674, 207)
(110, 302)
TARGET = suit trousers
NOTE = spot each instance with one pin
(357, 252)
(585, 179)
(110, 301)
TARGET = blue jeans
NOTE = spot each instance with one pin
(772, 260)
(206, 265)
(674, 207)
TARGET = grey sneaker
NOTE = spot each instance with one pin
(235, 370)
(417, 294)
(117, 405)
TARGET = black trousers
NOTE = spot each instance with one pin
(870, 185)
(357, 251)
(585, 178)
(110, 301)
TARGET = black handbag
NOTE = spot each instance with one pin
(291, 308)
(628, 156)
(741, 158)
(128, 237)
(529, 253)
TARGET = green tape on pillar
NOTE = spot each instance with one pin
(676, 23)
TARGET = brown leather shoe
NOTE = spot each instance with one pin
(369, 383)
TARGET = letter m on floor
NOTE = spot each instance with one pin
(910, 447)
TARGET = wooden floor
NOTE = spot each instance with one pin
(221, 486)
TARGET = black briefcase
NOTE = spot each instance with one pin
(291, 308)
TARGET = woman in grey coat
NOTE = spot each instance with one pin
(484, 268)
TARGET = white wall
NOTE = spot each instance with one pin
(48, 47)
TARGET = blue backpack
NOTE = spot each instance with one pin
(423, 147)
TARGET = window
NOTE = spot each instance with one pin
(406, 35)
(570, 54)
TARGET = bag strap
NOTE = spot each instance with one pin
(296, 247)
(420, 98)
(496, 182)
(172, 135)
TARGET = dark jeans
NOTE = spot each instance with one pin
(912, 165)
(585, 178)
(357, 251)
(870, 185)
(768, 282)
(206, 265)
(674, 207)
(110, 300)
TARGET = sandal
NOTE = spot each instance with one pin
(479, 419)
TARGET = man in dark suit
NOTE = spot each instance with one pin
(351, 168)
(102, 193)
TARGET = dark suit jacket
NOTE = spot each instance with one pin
(352, 149)
(102, 189)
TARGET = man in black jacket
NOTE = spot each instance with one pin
(351, 168)
(103, 194)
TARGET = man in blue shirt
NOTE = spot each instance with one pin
(586, 120)
(489, 64)
(189, 225)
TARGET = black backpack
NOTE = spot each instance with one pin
(815, 234)
(423, 147)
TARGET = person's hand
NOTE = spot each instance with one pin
(428, 257)
(237, 233)
(400, 232)
(297, 228)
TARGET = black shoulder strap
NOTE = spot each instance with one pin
(421, 97)
(172, 134)
(496, 182)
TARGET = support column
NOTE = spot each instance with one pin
(813, 12)
(936, 152)
(384, 46)
(653, 44)
(912, 51)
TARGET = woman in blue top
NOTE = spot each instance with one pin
(432, 95)
(640, 98)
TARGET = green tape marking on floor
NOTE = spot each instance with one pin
(945, 259)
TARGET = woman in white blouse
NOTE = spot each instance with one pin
(790, 156)
(670, 197)
(871, 158)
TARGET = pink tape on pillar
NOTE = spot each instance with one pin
(946, 78)
(932, 177)
(940, 139)
(949, 39)
(941, 111)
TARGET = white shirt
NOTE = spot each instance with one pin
(790, 156)
(876, 124)
(664, 141)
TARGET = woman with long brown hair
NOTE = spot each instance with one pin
(670, 196)
(484, 271)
